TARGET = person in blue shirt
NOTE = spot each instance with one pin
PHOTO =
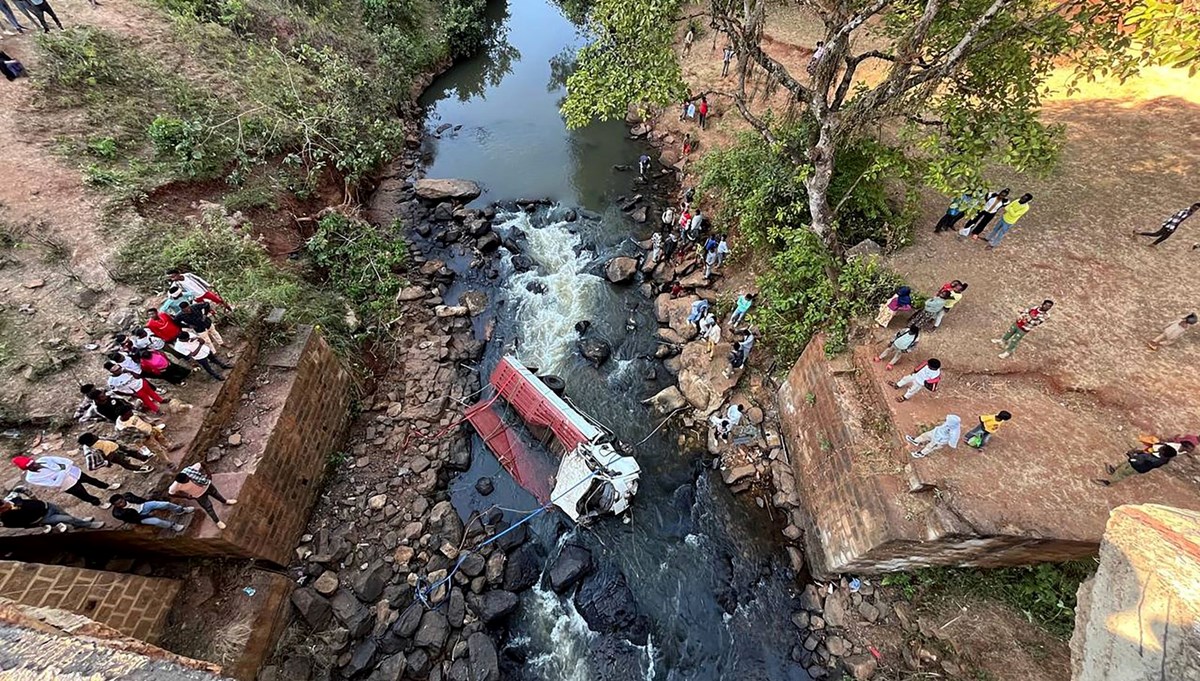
(741, 307)
(958, 208)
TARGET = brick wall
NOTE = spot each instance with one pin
(858, 512)
(133, 605)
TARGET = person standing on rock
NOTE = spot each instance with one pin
(726, 58)
(945, 435)
(697, 312)
(201, 290)
(668, 218)
(905, 341)
(702, 111)
(176, 295)
(992, 204)
(688, 39)
(195, 483)
(62, 474)
(710, 331)
(927, 376)
(978, 436)
(643, 166)
(710, 261)
(132, 509)
(1171, 224)
(1028, 321)
(1012, 213)
(655, 248)
(740, 353)
(669, 246)
(1173, 332)
(1138, 462)
(200, 352)
(696, 226)
(21, 510)
(685, 221)
(740, 308)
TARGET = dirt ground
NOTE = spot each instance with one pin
(1084, 385)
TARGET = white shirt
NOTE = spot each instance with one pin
(150, 342)
(126, 384)
(194, 285)
(733, 415)
(713, 334)
(130, 365)
(723, 248)
(56, 472)
(194, 345)
(697, 220)
(993, 204)
(926, 374)
(668, 217)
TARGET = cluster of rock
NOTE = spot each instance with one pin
(827, 613)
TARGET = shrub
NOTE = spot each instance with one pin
(465, 24)
(761, 190)
(363, 263)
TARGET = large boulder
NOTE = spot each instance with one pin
(571, 564)
(702, 379)
(313, 607)
(441, 190)
(355, 616)
(432, 632)
(606, 603)
(445, 523)
(493, 605)
(594, 350)
(667, 400)
(523, 568)
(360, 659)
(674, 313)
(369, 583)
(620, 269)
(485, 665)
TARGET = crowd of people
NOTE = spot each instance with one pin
(179, 337)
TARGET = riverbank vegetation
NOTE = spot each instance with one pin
(1044, 593)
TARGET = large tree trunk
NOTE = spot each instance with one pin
(821, 156)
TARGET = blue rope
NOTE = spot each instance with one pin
(423, 594)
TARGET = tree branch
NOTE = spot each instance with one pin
(857, 20)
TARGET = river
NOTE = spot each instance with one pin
(704, 566)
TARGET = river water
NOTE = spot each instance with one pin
(703, 566)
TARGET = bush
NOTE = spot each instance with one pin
(760, 189)
(1044, 592)
(465, 24)
(362, 262)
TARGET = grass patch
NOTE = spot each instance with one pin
(1045, 593)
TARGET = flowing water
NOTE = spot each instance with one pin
(703, 566)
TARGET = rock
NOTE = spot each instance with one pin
(800, 619)
(523, 263)
(674, 313)
(35, 283)
(418, 664)
(444, 212)
(488, 242)
(441, 190)
(473, 565)
(432, 632)
(639, 215)
(86, 298)
(389, 669)
(864, 248)
(297, 669)
(351, 613)
(810, 598)
(485, 666)
(606, 603)
(235, 440)
(738, 473)
(406, 625)
(904, 616)
(835, 609)
(796, 558)
(327, 583)
(754, 415)
(445, 523)
(868, 612)
(621, 269)
(360, 659)
(484, 486)
(811, 643)
(494, 571)
(475, 301)
(861, 666)
(493, 605)
(450, 310)
(377, 502)
(370, 583)
(410, 293)
(571, 564)
(523, 568)
(594, 350)
(838, 646)
(313, 607)
(456, 608)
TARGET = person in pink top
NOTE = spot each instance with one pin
(194, 483)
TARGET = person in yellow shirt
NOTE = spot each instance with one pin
(1013, 212)
(978, 436)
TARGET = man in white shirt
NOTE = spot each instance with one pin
(722, 251)
(928, 375)
(61, 474)
(191, 347)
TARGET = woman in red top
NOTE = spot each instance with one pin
(703, 110)
(161, 325)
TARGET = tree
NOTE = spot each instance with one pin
(962, 80)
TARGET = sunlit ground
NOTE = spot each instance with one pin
(1150, 84)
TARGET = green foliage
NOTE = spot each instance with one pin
(465, 24)
(1166, 32)
(362, 262)
(190, 146)
(1045, 592)
(238, 266)
(234, 14)
(102, 147)
(758, 188)
(630, 59)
